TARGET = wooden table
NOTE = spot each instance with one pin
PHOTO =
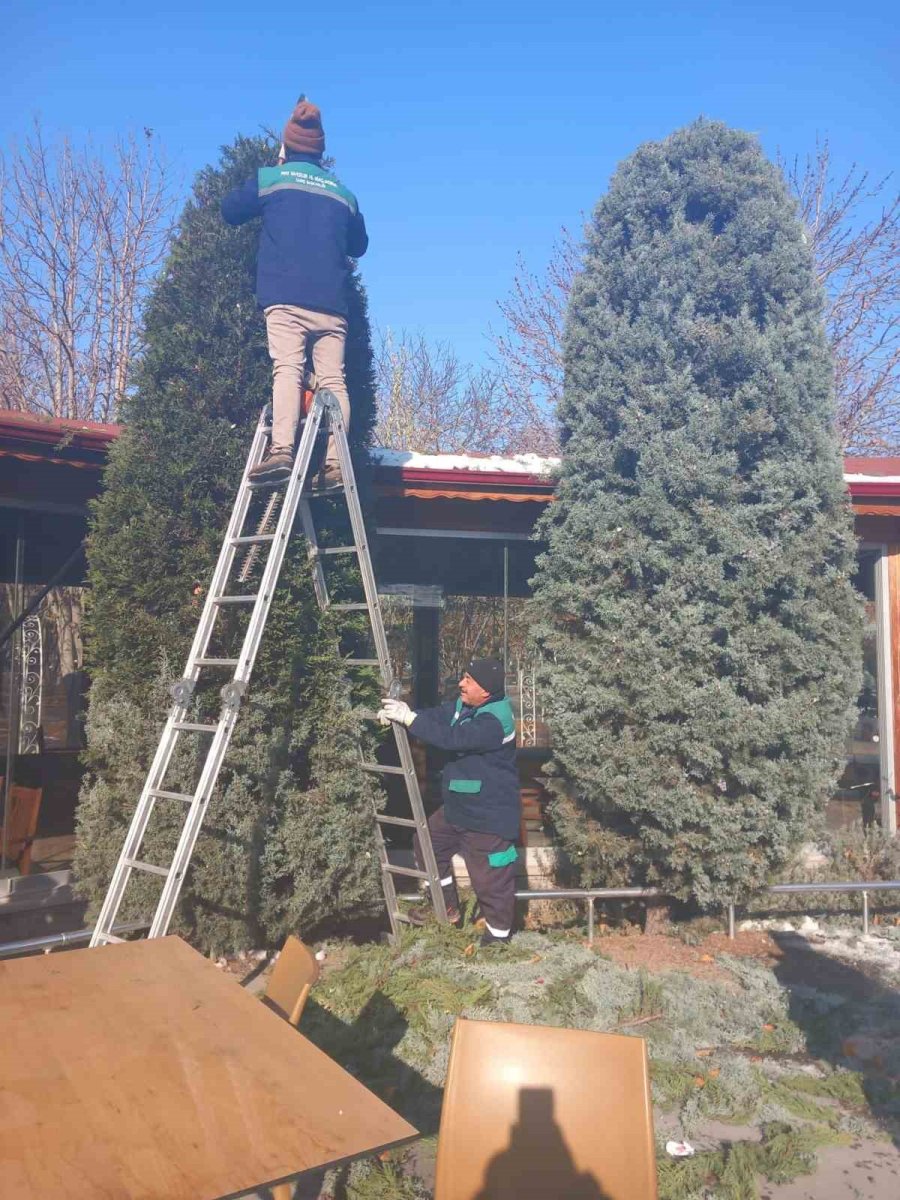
(139, 1070)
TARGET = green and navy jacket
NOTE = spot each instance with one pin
(311, 225)
(480, 783)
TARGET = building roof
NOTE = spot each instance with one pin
(868, 476)
(515, 477)
(55, 431)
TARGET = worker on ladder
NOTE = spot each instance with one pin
(311, 226)
(480, 816)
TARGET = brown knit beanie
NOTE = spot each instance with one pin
(303, 132)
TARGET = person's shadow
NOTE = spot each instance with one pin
(537, 1163)
(865, 1011)
(365, 1049)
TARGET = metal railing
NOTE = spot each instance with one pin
(864, 887)
(591, 895)
(51, 941)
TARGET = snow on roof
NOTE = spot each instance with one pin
(885, 471)
(514, 464)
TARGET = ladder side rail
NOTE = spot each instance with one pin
(360, 537)
(278, 548)
(122, 873)
(381, 645)
(178, 712)
(227, 553)
(191, 830)
(387, 884)
(315, 560)
(401, 737)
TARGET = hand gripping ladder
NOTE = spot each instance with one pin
(325, 408)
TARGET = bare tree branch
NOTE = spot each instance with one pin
(428, 401)
(854, 223)
(857, 257)
(80, 238)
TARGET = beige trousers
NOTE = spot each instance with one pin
(290, 330)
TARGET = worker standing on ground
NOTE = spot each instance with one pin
(479, 818)
(311, 226)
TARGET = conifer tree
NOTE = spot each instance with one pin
(694, 607)
(287, 843)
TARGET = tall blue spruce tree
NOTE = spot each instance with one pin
(694, 608)
(287, 842)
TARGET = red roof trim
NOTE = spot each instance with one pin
(872, 488)
(459, 475)
(53, 431)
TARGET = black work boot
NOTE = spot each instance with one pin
(491, 939)
(275, 467)
(422, 914)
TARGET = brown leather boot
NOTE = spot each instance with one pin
(274, 468)
(328, 479)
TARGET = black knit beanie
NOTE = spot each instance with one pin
(489, 673)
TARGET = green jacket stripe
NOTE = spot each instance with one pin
(304, 177)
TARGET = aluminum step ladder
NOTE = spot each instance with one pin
(237, 550)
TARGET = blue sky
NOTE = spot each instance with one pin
(469, 132)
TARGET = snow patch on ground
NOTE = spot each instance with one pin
(880, 954)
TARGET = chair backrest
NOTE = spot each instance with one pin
(292, 977)
(21, 825)
(532, 1112)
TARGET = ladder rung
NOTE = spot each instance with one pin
(194, 727)
(110, 937)
(158, 794)
(149, 867)
(401, 916)
(217, 662)
(380, 769)
(413, 872)
(405, 821)
(336, 550)
(362, 662)
(235, 599)
(349, 607)
(253, 539)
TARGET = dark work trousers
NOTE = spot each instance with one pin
(495, 887)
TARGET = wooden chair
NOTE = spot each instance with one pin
(532, 1112)
(289, 985)
(293, 976)
(24, 804)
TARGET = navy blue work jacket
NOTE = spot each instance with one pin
(311, 226)
(480, 783)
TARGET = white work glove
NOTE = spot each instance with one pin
(395, 710)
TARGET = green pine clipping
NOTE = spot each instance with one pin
(287, 844)
(695, 608)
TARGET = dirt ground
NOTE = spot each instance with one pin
(668, 952)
